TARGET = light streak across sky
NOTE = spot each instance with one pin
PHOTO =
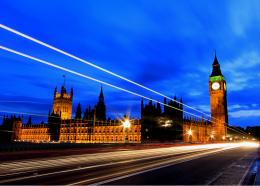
(104, 70)
(105, 83)
(93, 65)
(90, 78)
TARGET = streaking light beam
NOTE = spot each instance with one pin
(93, 65)
(90, 78)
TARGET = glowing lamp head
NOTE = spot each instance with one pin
(190, 132)
(211, 136)
(126, 123)
(223, 137)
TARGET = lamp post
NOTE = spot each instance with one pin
(211, 137)
(126, 125)
(190, 135)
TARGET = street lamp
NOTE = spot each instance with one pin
(190, 134)
(126, 125)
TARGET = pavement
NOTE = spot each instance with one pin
(195, 164)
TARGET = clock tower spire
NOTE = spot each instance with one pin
(218, 101)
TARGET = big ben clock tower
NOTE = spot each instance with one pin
(218, 101)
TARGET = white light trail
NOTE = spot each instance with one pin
(103, 157)
(90, 78)
(98, 67)
(93, 65)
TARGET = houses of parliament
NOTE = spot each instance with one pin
(157, 123)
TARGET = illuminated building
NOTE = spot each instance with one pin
(62, 103)
(156, 124)
(216, 130)
(218, 101)
(61, 128)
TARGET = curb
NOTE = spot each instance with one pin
(257, 177)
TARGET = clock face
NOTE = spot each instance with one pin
(215, 86)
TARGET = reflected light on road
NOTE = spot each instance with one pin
(250, 144)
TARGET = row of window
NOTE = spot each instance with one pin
(107, 139)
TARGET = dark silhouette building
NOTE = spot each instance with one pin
(101, 107)
(9, 130)
(158, 125)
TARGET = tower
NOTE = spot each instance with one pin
(101, 107)
(218, 101)
(62, 103)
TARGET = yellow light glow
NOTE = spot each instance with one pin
(212, 136)
(223, 137)
(126, 123)
(190, 132)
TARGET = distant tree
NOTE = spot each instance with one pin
(78, 112)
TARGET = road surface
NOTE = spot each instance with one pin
(196, 164)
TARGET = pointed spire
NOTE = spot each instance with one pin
(55, 91)
(78, 112)
(101, 95)
(63, 90)
(215, 62)
(216, 71)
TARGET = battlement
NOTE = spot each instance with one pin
(62, 103)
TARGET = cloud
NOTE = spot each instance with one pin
(195, 93)
(243, 16)
(237, 106)
(238, 71)
(245, 113)
(203, 108)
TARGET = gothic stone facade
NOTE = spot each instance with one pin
(92, 128)
(216, 130)
(79, 131)
(169, 124)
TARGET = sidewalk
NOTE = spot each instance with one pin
(257, 179)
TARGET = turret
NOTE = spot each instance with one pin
(62, 103)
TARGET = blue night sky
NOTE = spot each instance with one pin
(165, 45)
